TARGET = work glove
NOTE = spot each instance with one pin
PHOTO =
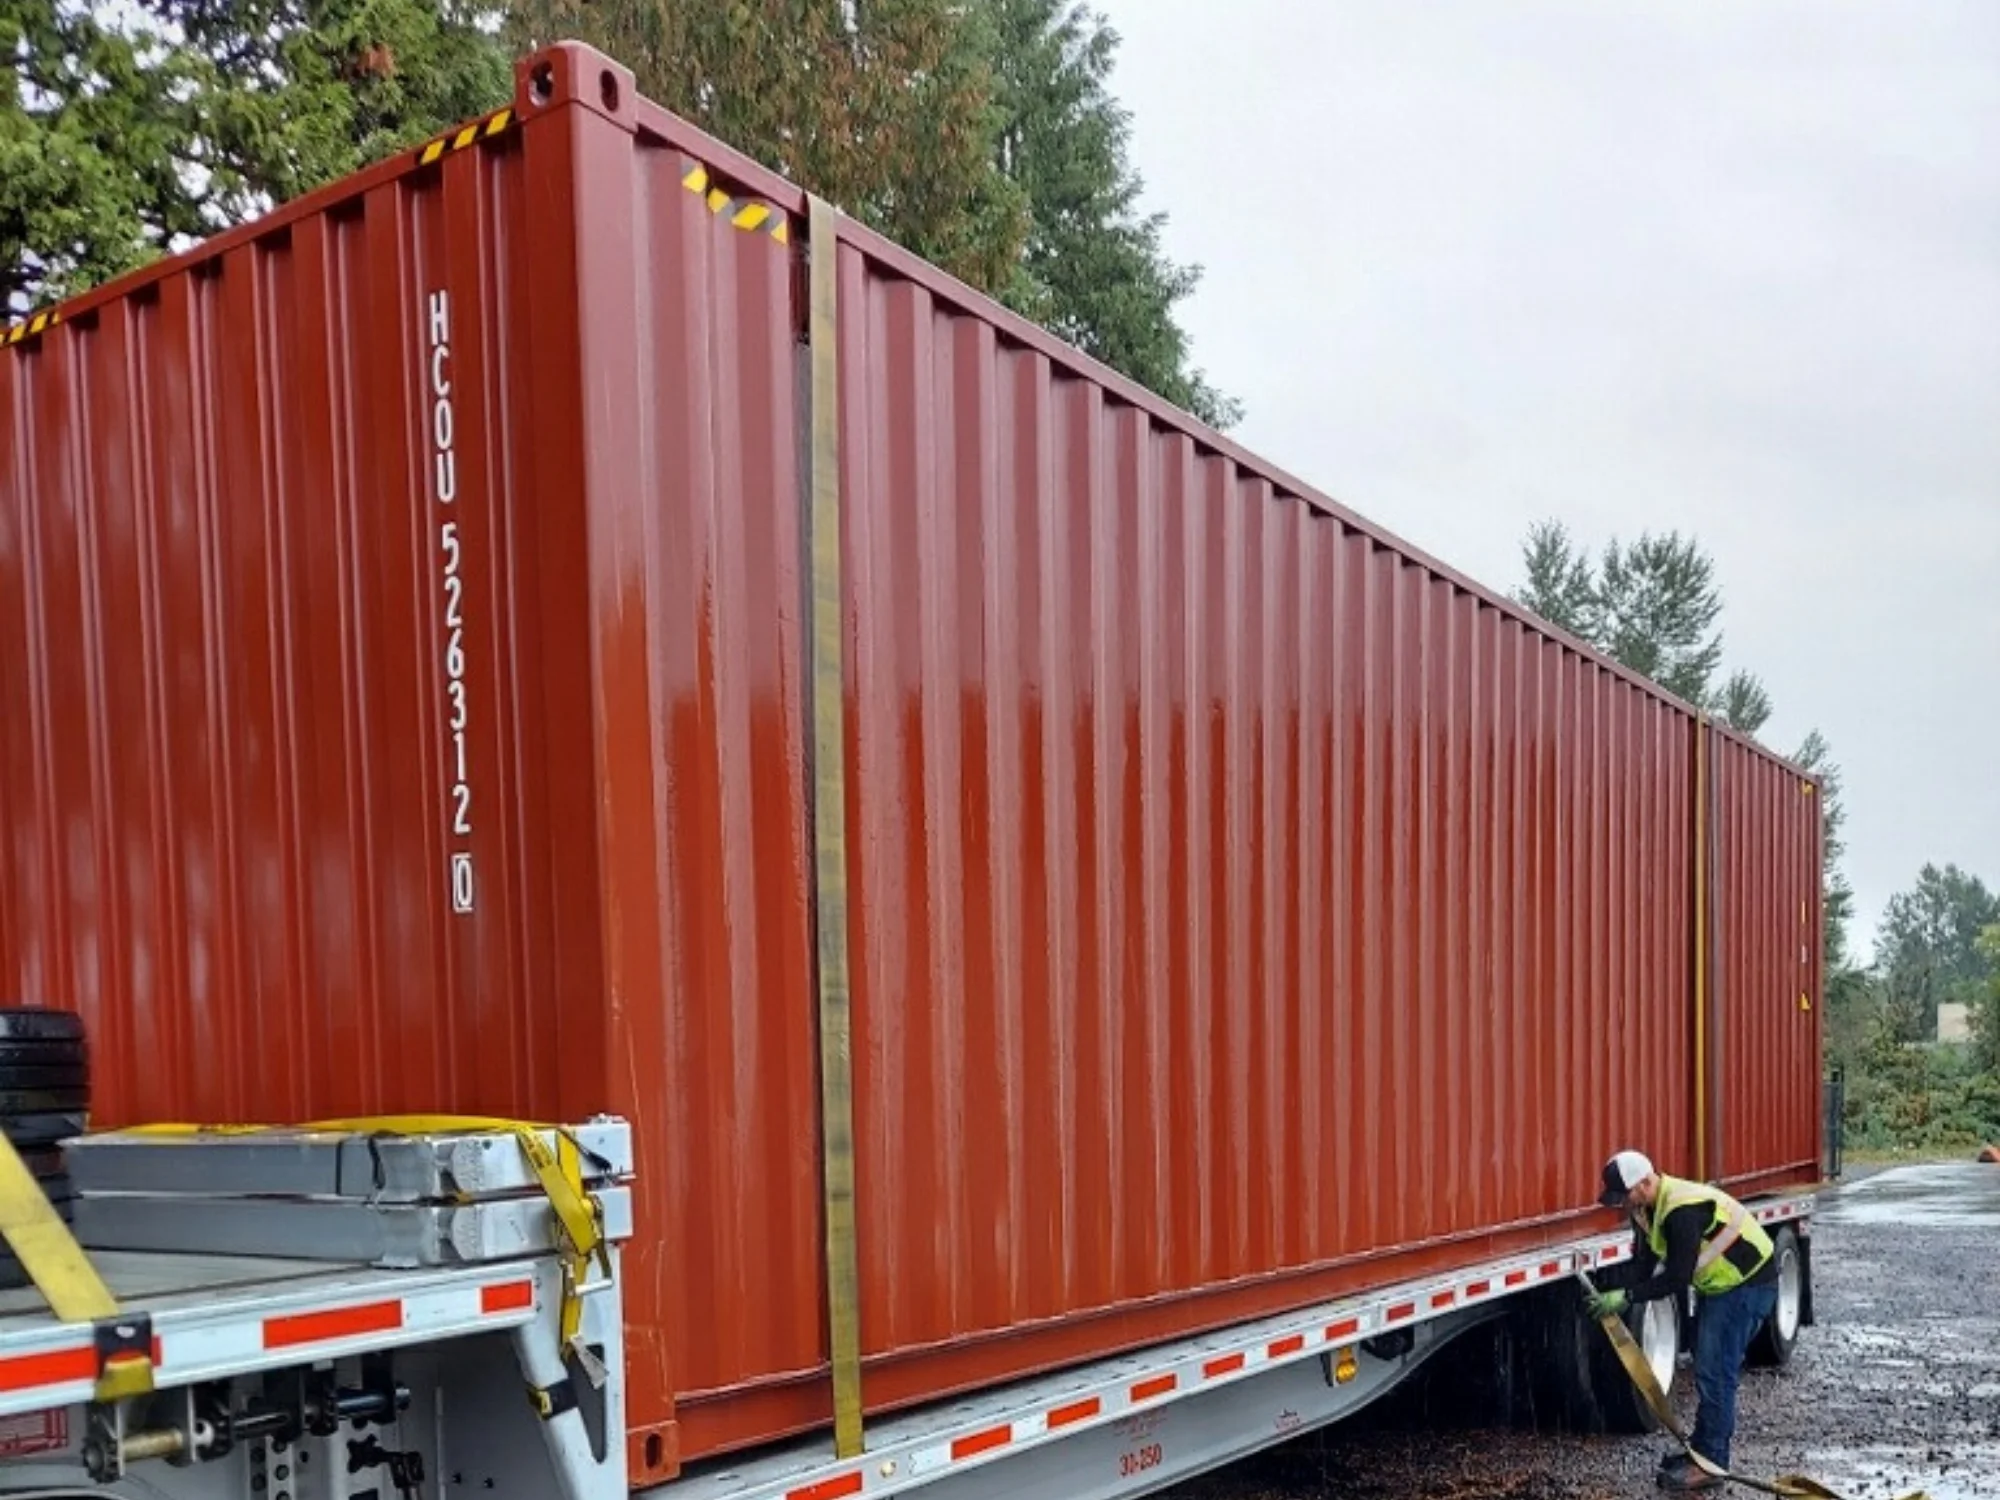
(1607, 1305)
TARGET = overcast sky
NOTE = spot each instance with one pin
(1730, 268)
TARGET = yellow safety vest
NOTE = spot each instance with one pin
(1714, 1273)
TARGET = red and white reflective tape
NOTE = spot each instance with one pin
(50, 1367)
(1204, 1364)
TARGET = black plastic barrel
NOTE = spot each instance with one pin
(44, 1100)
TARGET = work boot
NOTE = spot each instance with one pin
(1688, 1479)
(1674, 1462)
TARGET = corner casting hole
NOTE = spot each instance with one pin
(655, 1451)
(607, 89)
(542, 85)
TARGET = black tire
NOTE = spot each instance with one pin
(1772, 1347)
(1555, 1341)
(44, 1054)
(43, 1162)
(31, 1024)
(1625, 1410)
(45, 1077)
(44, 1131)
(69, 1099)
(1573, 1378)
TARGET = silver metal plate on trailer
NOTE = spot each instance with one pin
(431, 1167)
(388, 1234)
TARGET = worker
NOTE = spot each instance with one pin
(1686, 1234)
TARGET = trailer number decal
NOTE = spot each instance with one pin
(444, 462)
(1139, 1460)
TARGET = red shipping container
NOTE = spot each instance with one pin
(406, 703)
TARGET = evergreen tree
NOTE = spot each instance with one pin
(120, 139)
(1654, 606)
(1836, 894)
(92, 129)
(297, 93)
(1986, 1010)
(1096, 272)
(1929, 949)
(1562, 585)
(885, 107)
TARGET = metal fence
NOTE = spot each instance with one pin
(1833, 1096)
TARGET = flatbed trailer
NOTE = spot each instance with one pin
(287, 1379)
(565, 620)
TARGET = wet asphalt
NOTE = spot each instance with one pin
(1896, 1389)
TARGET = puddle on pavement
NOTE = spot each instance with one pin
(1966, 1473)
(1954, 1195)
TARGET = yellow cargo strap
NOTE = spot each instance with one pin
(63, 1274)
(829, 698)
(1702, 800)
(1633, 1358)
(558, 1171)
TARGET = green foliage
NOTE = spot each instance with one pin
(1904, 1097)
(979, 133)
(886, 108)
(1562, 583)
(91, 136)
(1654, 606)
(296, 93)
(1657, 604)
(1094, 270)
(1929, 949)
(1905, 1092)
(1836, 894)
(1986, 1012)
(120, 139)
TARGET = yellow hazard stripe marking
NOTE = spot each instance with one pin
(752, 215)
(465, 135)
(28, 328)
(457, 140)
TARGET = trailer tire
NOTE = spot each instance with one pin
(71, 1099)
(32, 1024)
(1551, 1336)
(43, 1131)
(54, 1053)
(1772, 1347)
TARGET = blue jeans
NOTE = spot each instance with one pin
(1724, 1328)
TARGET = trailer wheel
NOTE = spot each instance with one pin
(1775, 1341)
(1657, 1327)
(1575, 1381)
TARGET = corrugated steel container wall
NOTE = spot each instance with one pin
(1244, 907)
(1767, 965)
(1183, 800)
(227, 744)
(227, 749)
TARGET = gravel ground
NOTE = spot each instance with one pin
(1896, 1389)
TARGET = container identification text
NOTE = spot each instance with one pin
(444, 458)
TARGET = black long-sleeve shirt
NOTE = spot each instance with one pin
(1683, 1230)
